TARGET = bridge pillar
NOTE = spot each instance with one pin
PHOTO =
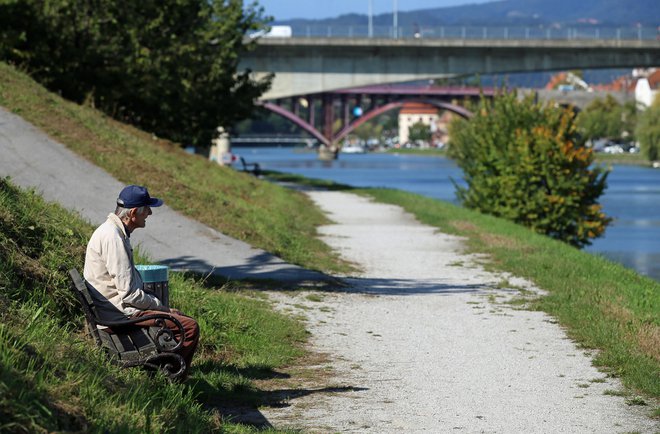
(295, 105)
(328, 115)
(312, 109)
(345, 111)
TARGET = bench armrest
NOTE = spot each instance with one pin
(160, 322)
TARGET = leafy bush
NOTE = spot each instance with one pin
(419, 131)
(607, 118)
(524, 161)
(648, 131)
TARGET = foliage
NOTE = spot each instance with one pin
(168, 67)
(369, 130)
(265, 122)
(607, 118)
(419, 131)
(523, 161)
(648, 131)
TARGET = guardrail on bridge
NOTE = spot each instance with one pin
(477, 32)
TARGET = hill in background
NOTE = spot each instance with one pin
(515, 12)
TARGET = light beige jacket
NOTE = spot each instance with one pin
(117, 288)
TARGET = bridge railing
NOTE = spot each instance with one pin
(478, 32)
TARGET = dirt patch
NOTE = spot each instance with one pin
(648, 337)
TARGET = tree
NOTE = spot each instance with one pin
(524, 162)
(419, 131)
(168, 67)
(607, 118)
(648, 131)
(369, 130)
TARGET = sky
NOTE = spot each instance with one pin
(287, 9)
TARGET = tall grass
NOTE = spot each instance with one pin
(53, 378)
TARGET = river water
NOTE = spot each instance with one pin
(632, 196)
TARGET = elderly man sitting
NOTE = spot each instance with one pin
(118, 290)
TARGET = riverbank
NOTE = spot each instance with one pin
(427, 340)
(200, 179)
(632, 197)
(604, 306)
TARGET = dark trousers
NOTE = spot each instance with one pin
(191, 334)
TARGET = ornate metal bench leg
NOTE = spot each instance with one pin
(171, 364)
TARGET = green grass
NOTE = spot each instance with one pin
(431, 152)
(54, 379)
(263, 214)
(628, 159)
(602, 305)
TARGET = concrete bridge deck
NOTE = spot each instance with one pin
(312, 65)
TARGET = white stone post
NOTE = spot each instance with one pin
(221, 148)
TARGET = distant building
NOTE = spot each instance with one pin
(624, 83)
(567, 81)
(414, 112)
(647, 87)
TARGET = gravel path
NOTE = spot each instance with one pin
(422, 342)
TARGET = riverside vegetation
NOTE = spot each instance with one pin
(72, 387)
(525, 162)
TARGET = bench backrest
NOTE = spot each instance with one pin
(79, 287)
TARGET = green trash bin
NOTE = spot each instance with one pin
(155, 281)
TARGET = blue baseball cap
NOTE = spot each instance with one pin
(135, 196)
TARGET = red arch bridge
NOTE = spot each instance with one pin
(316, 113)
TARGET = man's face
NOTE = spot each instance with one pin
(140, 219)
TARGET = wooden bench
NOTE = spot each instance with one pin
(129, 344)
(253, 168)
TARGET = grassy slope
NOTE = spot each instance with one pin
(265, 215)
(52, 378)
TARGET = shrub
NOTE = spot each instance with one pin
(525, 162)
(419, 131)
(607, 118)
(648, 131)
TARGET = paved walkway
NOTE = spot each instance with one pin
(423, 341)
(32, 159)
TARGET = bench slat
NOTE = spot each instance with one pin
(125, 347)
